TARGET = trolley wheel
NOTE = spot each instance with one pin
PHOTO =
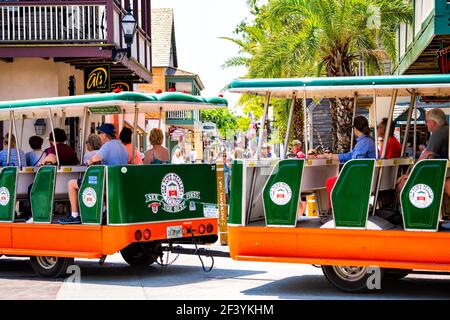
(136, 255)
(51, 267)
(348, 278)
(395, 274)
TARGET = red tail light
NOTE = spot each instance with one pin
(147, 234)
(138, 235)
(201, 229)
(209, 228)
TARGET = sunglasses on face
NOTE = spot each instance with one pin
(327, 151)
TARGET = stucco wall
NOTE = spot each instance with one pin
(28, 78)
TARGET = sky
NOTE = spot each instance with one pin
(198, 26)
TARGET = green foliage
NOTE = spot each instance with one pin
(223, 118)
(243, 123)
(298, 38)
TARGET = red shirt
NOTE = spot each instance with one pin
(301, 155)
(66, 154)
(394, 148)
(137, 155)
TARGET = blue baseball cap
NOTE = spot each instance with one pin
(107, 128)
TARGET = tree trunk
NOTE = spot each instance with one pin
(334, 121)
(297, 123)
(344, 112)
(339, 63)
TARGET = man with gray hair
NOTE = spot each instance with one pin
(437, 147)
(438, 144)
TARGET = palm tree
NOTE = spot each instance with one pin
(254, 38)
(327, 37)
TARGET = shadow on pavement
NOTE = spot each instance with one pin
(316, 287)
(120, 274)
(155, 275)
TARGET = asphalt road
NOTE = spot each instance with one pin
(185, 280)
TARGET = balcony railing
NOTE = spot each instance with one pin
(179, 115)
(52, 23)
(82, 23)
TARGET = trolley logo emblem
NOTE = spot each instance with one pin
(4, 196)
(280, 193)
(172, 198)
(89, 197)
(421, 196)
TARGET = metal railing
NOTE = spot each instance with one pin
(52, 23)
(180, 115)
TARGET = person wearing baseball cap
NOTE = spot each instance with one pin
(296, 151)
(112, 152)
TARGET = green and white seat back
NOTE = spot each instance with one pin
(421, 197)
(8, 178)
(350, 196)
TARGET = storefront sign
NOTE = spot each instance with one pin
(105, 110)
(443, 59)
(97, 78)
(434, 99)
(122, 85)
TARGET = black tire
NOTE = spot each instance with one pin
(395, 274)
(50, 267)
(349, 279)
(137, 255)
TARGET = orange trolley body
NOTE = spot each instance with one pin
(133, 209)
(359, 229)
(91, 242)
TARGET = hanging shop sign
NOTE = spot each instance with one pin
(97, 78)
(122, 86)
(443, 59)
(434, 99)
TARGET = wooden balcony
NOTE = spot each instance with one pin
(186, 117)
(77, 32)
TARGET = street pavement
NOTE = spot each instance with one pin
(185, 280)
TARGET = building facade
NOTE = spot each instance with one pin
(419, 41)
(182, 128)
(45, 47)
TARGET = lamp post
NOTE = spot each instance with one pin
(39, 127)
(129, 25)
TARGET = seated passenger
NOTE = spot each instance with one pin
(13, 159)
(112, 152)
(437, 147)
(312, 154)
(393, 149)
(296, 151)
(157, 154)
(33, 157)
(67, 156)
(364, 148)
(266, 152)
(125, 137)
(93, 144)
